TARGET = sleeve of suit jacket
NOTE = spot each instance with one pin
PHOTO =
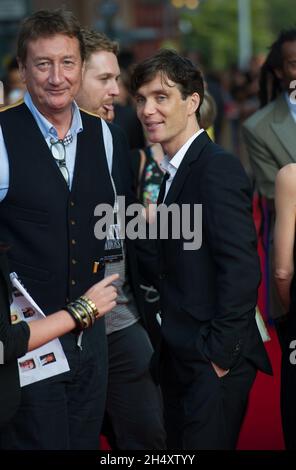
(231, 236)
(262, 162)
(14, 338)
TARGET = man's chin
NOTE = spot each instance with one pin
(106, 115)
(154, 138)
(59, 103)
(101, 112)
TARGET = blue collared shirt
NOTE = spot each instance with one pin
(48, 131)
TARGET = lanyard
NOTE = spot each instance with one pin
(108, 144)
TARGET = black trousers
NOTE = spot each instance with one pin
(134, 402)
(203, 411)
(64, 412)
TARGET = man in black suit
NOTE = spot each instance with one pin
(211, 347)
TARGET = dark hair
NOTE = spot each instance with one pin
(269, 84)
(172, 66)
(45, 23)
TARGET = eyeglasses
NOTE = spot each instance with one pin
(58, 150)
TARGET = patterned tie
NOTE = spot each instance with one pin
(162, 188)
(58, 150)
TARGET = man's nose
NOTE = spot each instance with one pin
(148, 108)
(114, 91)
(56, 75)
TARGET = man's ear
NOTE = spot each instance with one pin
(83, 69)
(194, 101)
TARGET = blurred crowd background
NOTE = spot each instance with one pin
(228, 39)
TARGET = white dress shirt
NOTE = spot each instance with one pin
(291, 106)
(171, 166)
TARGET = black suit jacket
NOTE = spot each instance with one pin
(208, 295)
(15, 341)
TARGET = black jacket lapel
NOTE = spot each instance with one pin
(191, 155)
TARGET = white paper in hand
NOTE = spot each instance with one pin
(43, 362)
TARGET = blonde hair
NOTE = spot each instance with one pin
(207, 111)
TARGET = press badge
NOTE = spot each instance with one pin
(113, 245)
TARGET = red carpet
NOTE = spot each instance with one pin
(104, 444)
(262, 426)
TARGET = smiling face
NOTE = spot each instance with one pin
(100, 84)
(167, 117)
(52, 73)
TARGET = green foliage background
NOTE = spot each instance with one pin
(214, 28)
